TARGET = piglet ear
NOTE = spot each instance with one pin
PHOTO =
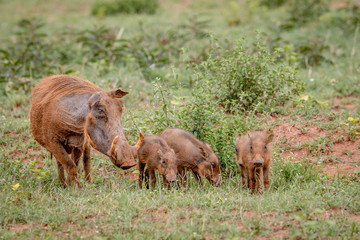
(270, 137)
(203, 152)
(161, 154)
(237, 138)
(117, 93)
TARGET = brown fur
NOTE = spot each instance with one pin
(253, 154)
(155, 153)
(192, 154)
(68, 114)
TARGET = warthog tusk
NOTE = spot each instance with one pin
(139, 142)
(112, 149)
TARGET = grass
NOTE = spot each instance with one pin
(305, 200)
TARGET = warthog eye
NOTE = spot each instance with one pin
(236, 150)
(213, 165)
(265, 147)
(101, 114)
(163, 161)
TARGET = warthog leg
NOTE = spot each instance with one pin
(258, 177)
(61, 173)
(197, 177)
(266, 178)
(252, 179)
(152, 178)
(244, 178)
(183, 176)
(67, 163)
(75, 155)
(147, 178)
(166, 183)
(87, 163)
(141, 173)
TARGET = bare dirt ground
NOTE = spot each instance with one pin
(331, 149)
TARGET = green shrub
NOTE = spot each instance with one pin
(347, 19)
(101, 8)
(29, 55)
(250, 79)
(272, 3)
(103, 46)
(302, 12)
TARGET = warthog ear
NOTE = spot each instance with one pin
(117, 93)
(207, 145)
(161, 154)
(237, 138)
(270, 137)
(140, 141)
(203, 152)
(94, 99)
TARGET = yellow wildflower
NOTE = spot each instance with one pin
(16, 186)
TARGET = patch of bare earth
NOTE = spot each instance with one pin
(276, 222)
(25, 226)
(344, 103)
(69, 227)
(339, 156)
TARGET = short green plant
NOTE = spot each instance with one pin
(102, 44)
(302, 12)
(313, 52)
(285, 174)
(102, 8)
(347, 18)
(352, 127)
(272, 3)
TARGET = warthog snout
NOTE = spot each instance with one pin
(121, 154)
(217, 183)
(258, 163)
(171, 176)
(171, 179)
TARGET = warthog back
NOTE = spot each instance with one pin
(193, 154)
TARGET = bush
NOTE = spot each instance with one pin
(28, 55)
(101, 8)
(250, 80)
(302, 12)
(347, 18)
(102, 45)
(272, 3)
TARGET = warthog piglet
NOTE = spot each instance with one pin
(155, 154)
(253, 154)
(193, 154)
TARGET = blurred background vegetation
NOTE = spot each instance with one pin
(214, 68)
(209, 67)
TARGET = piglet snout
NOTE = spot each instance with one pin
(258, 163)
(171, 179)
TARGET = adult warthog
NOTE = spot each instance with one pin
(69, 114)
